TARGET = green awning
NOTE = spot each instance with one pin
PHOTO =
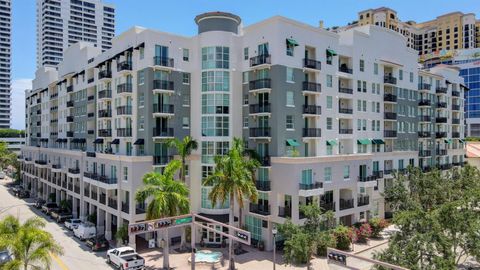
(331, 52)
(292, 42)
(332, 142)
(292, 142)
(364, 141)
(378, 141)
(449, 141)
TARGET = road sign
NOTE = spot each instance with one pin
(184, 220)
(158, 224)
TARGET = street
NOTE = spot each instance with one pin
(75, 257)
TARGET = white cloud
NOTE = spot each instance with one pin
(18, 102)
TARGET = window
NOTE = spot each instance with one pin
(245, 122)
(329, 102)
(142, 53)
(186, 78)
(364, 86)
(290, 48)
(215, 103)
(327, 174)
(141, 122)
(245, 77)
(329, 150)
(290, 100)
(400, 74)
(245, 99)
(125, 173)
(129, 148)
(215, 57)
(375, 68)
(141, 77)
(359, 86)
(215, 126)
(290, 74)
(329, 80)
(329, 123)
(362, 65)
(289, 122)
(215, 81)
(185, 54)
(346, 172)
(307, 177)
(411, 77)
(186, 98)
(186, 122)
(245, 53)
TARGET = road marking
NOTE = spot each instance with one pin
(59, 261)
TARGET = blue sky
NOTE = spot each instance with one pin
(177, 16)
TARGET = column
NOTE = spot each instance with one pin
(74, 206)
(108, 226)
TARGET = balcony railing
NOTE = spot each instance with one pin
(74, 170)
(327, 206)
(377, 174)
(312, 109)
(69, 134)
(124, 110)
(455, 134)
(162, 160)
(125, 65)
(263, 185)
(345, 90)
(455, 107)
(265, 161)
(260, 108)
(424, 134)
(260, 84)
(69, 88)
(311, 186)
(441, 90)
(441, 119)
(390, 98)
(70, 104)
(441, 105)
(425, 118)
(104, 74)
(345, 69)
(311, 87)
(440, 135)
(105, 133)
(163, 61)
(456, 121)
(76, 189)
(312, 132)
(369, 178)
(346, 204)
(107, 93)
(260, 132)
(125, 207)
(455, 93)
(124, 88)
(163, 108)
(345, 110)
(260, 209)
(70, 119)
(345, 131)
(312, 63)
(390, 133)
(424, 86)
(124, 132)
(112, 203)
(424, 102)
(260, 60)
(389, 79)
(41, 162)
(390, 115)
(102, 198)
(425, 153)
(363, 200)
(441, 152)
(285, 212)
(90, 80)
(163, 85)
(162, 132)
(104, 113)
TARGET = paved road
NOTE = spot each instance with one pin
(76, 256)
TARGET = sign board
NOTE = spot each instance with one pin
(158, 224)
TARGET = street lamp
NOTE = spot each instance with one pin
(274, 232)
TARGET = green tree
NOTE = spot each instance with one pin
(167, 197)
(7, 157)
(437, 216)
(184, 149)
(30, 245)
(233, 180)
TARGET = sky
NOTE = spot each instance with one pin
(176, 16)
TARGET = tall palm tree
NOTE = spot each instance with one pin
(232, 180)
(30, 245)
(167, 198)
(184, 148)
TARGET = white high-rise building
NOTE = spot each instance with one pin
(5, 56)
(61, 23)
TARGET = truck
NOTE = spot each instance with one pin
(85, 231)
(61, 215)
(125, 258)
(49, 207)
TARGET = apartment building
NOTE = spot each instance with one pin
(450, 31)
(332, 116)
(61, 23)
(5, 61)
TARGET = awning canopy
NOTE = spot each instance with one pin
(447, 82)
(332, 142)
(82, 140)
(292, 142)
(464, 87)
(461, 140)
(58, 140)
(331, 52)
(292, 42)
(98, 141)
(115, 141)
(139, 142)
(378, 141)
(449, 141)
(65, 140)
(223, 218)
(364, 141)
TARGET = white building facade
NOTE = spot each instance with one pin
(5, 61)
(332, 116)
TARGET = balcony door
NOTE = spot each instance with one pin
(263, 49)
(362, 171)
(161, 51)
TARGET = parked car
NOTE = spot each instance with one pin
(61, 215)
(125, 258)
(23, 194)
(97, 243)
(72, 223)
(16, 189)
(4, 257)
(47, 208)
(39, 203)
(85, 231)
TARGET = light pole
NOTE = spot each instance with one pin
(274, 232)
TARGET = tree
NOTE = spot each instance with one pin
(437, 214)
(233, 180)
(167, 197)
(184, 148)
(7, 157)
(30, 245)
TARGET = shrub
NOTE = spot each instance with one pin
(324, 240)
(363, 232)
(377, 225)
(344, 237)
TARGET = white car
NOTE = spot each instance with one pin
(125, 258)
(85, 231)
(72, 223)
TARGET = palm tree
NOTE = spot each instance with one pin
(233, 178)
(30, 245)
(184, 148)
(168, 197)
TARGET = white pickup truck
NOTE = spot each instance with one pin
(125, 258)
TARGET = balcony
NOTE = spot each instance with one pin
(424, 134)
(345, 90)
(91, 98)
(263, 185)
(389, 79)
(90, 80)
(124, 88)
(441, 90)
(311, 132)
(74, 170)
(425, 118)
(91, 154)
(124, 110)
(345, 131)
(125, 65)
(346, 204)
(424, 86)
(456, 121)
(162, 160)
(263, 59)
(327, 206)
(425, 153)
(41, 162)
(455, 93)
(69, 134)
(424, 102)
(311, 87)
(345, 110)
(445, 166)
(377, 174)
(260, 108)
(69, 88)
(105, 133)
(163, 61)
(390, 115)
(70, 119)
(107, 180)
(455, 107)
(102, 198)
(363, 200)
(389, 98)
(125, 207)
(312, 109)
(76, 189)
(163, 85)
(70, 186)
(107, 93)
(260, 209)
(260, 132)
(70, 103)
(112, 203)
(104, 74)
(265, 161)
(455, 134)
(345, 69)
(260, 84)
(441, 152)
(312, 63)
(284, 212)
(163, 108)
(162, 132)
(86, 192)
(440, 135)
(441, 105)
(139, 210)
(124, 132)
(390, 133)
(90, 132)
(104, 113)
(441, 120)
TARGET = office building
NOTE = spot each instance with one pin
(61, 23)
(5, 61)
(332, 116)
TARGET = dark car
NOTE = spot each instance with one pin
(17, 189)
(61, 215)
(98, 243)
(23, 194)
(4, 257)
(39, 203)
(49, 207)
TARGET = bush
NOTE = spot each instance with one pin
(344, 237)
(377, 225)
(363, 232)
(324, 240)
